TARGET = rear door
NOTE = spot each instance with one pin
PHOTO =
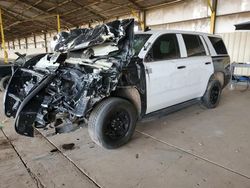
(166, 73)
(199, 65)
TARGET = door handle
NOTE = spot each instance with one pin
(208, 63)
(181, 67)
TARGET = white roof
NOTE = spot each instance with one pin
(160, 32)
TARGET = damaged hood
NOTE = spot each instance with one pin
(85, 68)
(117, 36)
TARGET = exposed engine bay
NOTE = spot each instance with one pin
(62, 88)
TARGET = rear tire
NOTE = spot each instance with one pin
(112, 123)
(212, 96)
(4, 82)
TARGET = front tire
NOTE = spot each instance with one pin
(112, 123)
(212, 96)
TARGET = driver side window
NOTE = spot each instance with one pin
(164, 48)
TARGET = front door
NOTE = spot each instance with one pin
(165, 74)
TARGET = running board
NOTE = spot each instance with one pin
(169, 110)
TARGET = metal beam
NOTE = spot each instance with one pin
(58, 5)
(163, 4)
(90, 10)
(29, 7)
(119, 6)
(135, 4)
(87, 17)
(80, 8)
(39, 10)
(21, 19)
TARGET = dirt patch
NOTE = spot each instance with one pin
(6, 155)
(4, 144)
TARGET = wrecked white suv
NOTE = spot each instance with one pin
(109, 78)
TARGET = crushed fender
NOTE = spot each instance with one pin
(61, 89)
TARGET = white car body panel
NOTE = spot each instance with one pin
(166, 84)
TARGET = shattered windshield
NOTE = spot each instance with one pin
(139, 41)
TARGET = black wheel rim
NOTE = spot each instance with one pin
(215, 93)
(117, 125)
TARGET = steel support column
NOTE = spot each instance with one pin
(58, 23)
(34, 40)
(26, 43)
(143, 20)
(213, 7)
(19, 43)
(141, 17)
(3, 39)
(45, 41)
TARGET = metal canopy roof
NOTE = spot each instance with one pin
(21, 18)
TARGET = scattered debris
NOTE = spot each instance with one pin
(69, 146)
(54, 150)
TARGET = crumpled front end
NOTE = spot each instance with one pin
(62, 97)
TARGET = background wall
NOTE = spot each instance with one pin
(194, 15)
(191, 15)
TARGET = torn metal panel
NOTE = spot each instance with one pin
(61, 89)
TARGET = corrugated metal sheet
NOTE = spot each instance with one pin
(238, 46)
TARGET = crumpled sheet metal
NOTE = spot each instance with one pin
(113, 32)
(64, 95)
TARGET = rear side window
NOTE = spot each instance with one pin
(194, 45)
(218, 45)
(165, 47)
